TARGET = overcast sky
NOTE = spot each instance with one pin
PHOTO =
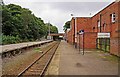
(57, 12)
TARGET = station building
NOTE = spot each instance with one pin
(100, 31)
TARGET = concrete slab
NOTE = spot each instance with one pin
(53, 68)
(92, 63)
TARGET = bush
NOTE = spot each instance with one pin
(10, 39)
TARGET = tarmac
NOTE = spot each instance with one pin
(68, 61)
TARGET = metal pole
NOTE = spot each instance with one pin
(79, 42)
(83, 43)
(49, 27)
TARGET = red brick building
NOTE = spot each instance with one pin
(82, 23)
(100, 31)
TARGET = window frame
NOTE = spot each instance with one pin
(113, 17)
(98, 23)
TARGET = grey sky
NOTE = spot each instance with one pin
(58, 12)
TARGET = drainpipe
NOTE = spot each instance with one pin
(100, 21)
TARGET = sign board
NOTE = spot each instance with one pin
(103, 35)
(81, 31)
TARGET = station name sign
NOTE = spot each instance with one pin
(103, 35)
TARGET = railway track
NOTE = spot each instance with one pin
(37, 68)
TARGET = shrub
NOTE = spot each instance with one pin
(10, 39)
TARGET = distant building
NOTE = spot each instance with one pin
(100, 31)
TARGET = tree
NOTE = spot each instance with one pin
(7, 26)
(54, 29)
(20, 22)
(66, 26)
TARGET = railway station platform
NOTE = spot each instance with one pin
(93, 62)
(14, 49)
(68, 61)
(10, 47)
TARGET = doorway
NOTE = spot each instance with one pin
(103, 44)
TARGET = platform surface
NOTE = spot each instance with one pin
(91, 63)
(5, 48)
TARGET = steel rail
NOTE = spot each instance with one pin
(21, 73)
(47, 64)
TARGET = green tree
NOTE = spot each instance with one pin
(18, 22)
(66, 26)
(54, 29)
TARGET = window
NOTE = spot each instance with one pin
(104, 26)
(98, 23)
(93, 29)
(113, 17)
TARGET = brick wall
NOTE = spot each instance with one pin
(69, 39)
(107, 25)
(114, 46)
(73, 30)
(89, 40)
(84, 23)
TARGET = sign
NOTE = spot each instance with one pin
(103, 35)
(81, 31)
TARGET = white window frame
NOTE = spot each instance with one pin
(113, 18)
(98, 23)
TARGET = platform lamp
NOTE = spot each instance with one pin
(49, 37)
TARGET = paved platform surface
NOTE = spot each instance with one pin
(92, 63)
(9, 47)
(53, 68)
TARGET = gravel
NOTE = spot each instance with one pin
(15, 64)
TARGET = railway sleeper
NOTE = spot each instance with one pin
(35, 70)
(32, 72)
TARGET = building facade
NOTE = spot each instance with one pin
(100, 31)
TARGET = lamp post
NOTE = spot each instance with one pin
(49, 27)
(49, 37)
